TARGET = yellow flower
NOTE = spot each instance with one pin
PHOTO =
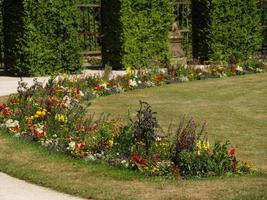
(39, 113)
(111, 142)
(36, 116)
(64, 75)
(129, 71)
(43, 113)
(198, 144)
(60, 118)
(207, 145)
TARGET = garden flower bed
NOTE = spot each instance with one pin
(54, 115)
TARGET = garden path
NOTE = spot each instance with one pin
(15, 189)
(8, 85)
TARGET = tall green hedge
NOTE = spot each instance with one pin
(135, 32)
(226, 30)
(41, 37)
(1, 35)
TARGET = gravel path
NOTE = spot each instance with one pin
(15, 189)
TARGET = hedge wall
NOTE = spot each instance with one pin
(41, 37)
(226, 30)
(135, 32)
(1, 35)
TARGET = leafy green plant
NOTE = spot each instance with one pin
(187, 133)
(191, 164)
(220, 160)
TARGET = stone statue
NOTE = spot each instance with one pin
(176, 42)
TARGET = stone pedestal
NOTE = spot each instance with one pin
(176, 42)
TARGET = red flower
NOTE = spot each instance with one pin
(98, 87)
(174, 168)
(79, 145)
(232, 152)
(39, 133)
(4, 109)
(159, 77)
(135, 158)
(142, 162)
(198, 70)
(78, 91)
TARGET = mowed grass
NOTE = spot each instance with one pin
(235, 108)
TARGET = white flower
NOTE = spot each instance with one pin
(125, 163)
(259, 70)
(158, 139)
(104, 85)
(81, 94)
(90, 157)
(71, 146)
(149, 84)
(240, 69)
(10, 123)
(67, 101)
(133, 83)
(183, 79)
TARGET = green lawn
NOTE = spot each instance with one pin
(235, 108)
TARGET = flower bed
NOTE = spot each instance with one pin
(55, 116)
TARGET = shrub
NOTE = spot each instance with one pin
(41, 37)
(226, 30)
(135, 33)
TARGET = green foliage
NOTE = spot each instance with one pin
(186, 135)
(220, 160)
(192, 164)
(226, 30)
(216, 161)
(41, 37)
(135, 33)
(124, 140)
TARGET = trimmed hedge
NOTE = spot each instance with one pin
(1, 34)
(41, 37)
(135, 32)
(226, 30)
